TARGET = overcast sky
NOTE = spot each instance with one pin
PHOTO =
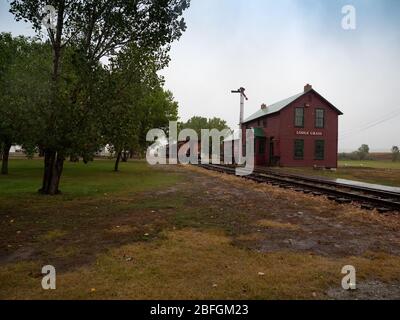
(273, 48)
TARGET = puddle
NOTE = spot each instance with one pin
(368, 185)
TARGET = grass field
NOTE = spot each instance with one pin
(371, 171)
(80, 180)
(375, 164)
(181, 232)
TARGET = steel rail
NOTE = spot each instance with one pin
(381, 200)
(377, 192)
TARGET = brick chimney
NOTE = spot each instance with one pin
(263, 106)
(307, 87)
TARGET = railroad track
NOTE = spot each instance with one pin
(367, 198)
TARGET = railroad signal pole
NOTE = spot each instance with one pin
(243, 96)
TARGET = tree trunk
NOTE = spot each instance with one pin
(5, 155)
(125, 156)
(73, 158)
(41, 152)
(54, 161)
(116, 167)
(53, 167)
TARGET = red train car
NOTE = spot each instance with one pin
(300, 131)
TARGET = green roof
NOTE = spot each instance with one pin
(258, 133)
(276, 107)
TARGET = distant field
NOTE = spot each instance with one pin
(381, 164)
(385, 156)
(370, 171)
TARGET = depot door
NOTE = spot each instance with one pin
(271, 152)
(260, 152)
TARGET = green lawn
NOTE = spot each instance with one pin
(80, 180)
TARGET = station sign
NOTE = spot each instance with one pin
(308, 133)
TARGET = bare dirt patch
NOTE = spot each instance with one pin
(375, 290)
(322, 226)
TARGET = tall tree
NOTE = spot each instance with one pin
(198, 123)
(24, 66)
(92, 29)
(131, 73)
(395, 153)
(363, 151)
(8, 52)
(136, 101)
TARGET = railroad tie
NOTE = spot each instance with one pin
(343, 200)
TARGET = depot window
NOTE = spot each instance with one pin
(319, 118)
(299, 118)
(299, 149)
(319, 150)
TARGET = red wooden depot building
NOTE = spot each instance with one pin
(300, 131)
